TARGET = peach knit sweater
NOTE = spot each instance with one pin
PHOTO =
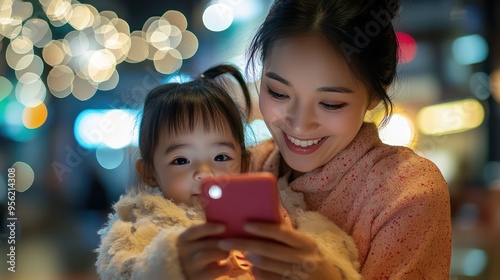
(394, 203)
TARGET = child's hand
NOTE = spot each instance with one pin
(199, 256)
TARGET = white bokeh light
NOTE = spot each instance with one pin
(398, 132)
(218, 17)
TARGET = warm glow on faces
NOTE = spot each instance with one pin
(309, 93)
(181, 162)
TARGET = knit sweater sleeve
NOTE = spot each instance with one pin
(411, 235)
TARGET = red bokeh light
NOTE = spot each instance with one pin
(407, 47)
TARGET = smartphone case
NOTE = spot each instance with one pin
(243, 198)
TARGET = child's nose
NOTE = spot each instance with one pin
(203, 172)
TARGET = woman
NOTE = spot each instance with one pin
(325, 64)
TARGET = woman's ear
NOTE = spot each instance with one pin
(145, 174)
(374, 103)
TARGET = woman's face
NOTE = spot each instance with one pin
(311, 102)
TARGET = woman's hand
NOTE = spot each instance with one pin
(198, 255)
(287, 254)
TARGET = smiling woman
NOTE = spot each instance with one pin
(325, 65)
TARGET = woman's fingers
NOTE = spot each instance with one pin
(265, 275)
(269, 265)
(209, 273)
(281, 234)
(268, 249)
(201, 231)
(207, 257)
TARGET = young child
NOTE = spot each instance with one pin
(188, 132)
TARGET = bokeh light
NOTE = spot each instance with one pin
(407, 47)
(10, 27)
(38, 31)
(469, 262)
(188, 45)
(176, 18)
(180, 78)
(479, 85)
(83, 89)
(59, 12)
(24, 176)
(218, 17)
(112, 128)
(121, 130)
(139, 49)
(56, 52)
(35, 66)
(21, 9)
(60, 81)
(167, 62)
(82, 16)
(5, 87)
(244, 10)
(111, 83)
(109, 158)
(15, 58)
(470, 49)
(34, 117)
(451, 117)
(13, 114)
(398, 131)
(30, 90)
(14, 128)
(101, 65)
(78, 43)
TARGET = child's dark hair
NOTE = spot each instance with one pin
(177, 108)
(340, 22)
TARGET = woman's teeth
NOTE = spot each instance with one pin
(303, 144)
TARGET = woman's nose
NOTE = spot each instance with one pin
(203, 172)
(301, 119)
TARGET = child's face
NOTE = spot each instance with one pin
(181, 162)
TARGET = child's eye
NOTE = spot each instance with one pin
(222, 158)
(333, 107)
(275, 95)
(180, 161)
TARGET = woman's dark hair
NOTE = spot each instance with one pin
(361, 31)
(176, 108)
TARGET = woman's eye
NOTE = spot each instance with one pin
(180, 161)
(275, 95)
(222, 158)
(333, 107)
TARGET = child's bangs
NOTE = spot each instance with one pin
(184, 119)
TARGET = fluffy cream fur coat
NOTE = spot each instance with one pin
(139, 240)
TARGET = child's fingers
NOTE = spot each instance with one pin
(200, 231)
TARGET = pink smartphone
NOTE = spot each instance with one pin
(237, 199)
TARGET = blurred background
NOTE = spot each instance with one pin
(73, 76)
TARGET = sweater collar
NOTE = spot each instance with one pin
(328, 176)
